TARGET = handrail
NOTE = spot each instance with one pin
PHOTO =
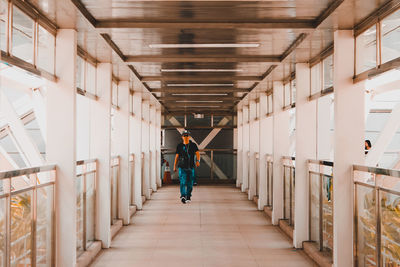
(379, 171)
(26, 171)
(289, 157)
(131, 157)
(321, 162)
(85, 161)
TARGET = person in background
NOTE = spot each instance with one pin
(185, 160)
(367, 146)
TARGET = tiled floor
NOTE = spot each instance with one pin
(220, 227)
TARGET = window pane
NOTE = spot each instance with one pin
(293, 91)
(114, 94)
(316, 79)
(391, 37)
(80, 65)
(366, 50)
(91, 79)
(22, 33)
(3, 24)
(328, 72)
(46, 48)
(287, 94)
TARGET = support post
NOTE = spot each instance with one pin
(239, 179)
(253, 148)
(122, 149)
(146, 148)
(152, 147)
(306, 136)
(101, 150)
(61, 145)
(245, 151)
(348, 145)
(136, 146)
(265, 137)
(281, 148)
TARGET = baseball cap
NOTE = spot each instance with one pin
(185, 132)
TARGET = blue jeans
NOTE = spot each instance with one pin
(186, 177)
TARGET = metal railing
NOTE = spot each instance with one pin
(257, 156)
(132, 178)
(86, 172)
(27, 217)
(376, 216)
(270, 183)
(288, 188)
(115, 170)
(320, 212)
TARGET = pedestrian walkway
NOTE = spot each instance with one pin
(220, 227)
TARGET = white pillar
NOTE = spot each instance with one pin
(265, 139)
(146, 147)
(281, 148)
(122, 148)
(306, 138)
(348, 145)
(136, 147)
(158, 146)
(324, 133)
(245, 145)
(239, 179)
(253, 148)
(100, 148)
(153, 180)
(61, 145)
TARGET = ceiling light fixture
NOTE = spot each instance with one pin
(199, 94)
(201, 70)
(201, 106)
(199, 101)
(199, 84)
(245, 45)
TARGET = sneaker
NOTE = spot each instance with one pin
(195, 183)
(183, 199)
(188, 199)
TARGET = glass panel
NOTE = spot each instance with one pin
(270, 104)
(366, 226)
(366, 50)
(269, 183)
(79, 215)
(287, 94)
(223, 162)
(21, 229)
(22, 36)
(315, 185)
(3, 232)
(90, 206)
(3, 24)
(328, 71)
(115, 94)
(80, 72)
(44, 226)
(390, 247)
(91, 79)
(114, 196)
(391, 37)
(34, 131)
(9, 146)
(316, 79)
(327, 213)
(286, 184)
(46, 50)
(293, 91)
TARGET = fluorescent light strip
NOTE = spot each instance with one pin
(201, 70)
(199, 84)
(201, 106)
(199, 101)
(199, 94)
(250, 45)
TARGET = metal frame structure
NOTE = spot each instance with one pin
(374, 177)
(288, 163)
(6, 178)
(319, 170)
(86, 170)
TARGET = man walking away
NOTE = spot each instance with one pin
(185, 159)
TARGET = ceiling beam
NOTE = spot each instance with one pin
(194, 90)
(200, 78)
(293, 46)
(203, 58)
(327, 12)
(198, 98)
(289, 23)
(200, 105)
(206, 112)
